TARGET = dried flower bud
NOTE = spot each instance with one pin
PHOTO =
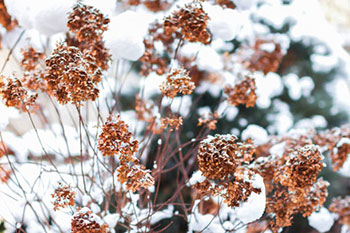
(176, 82)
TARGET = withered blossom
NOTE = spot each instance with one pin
(173, 122)
(190, 23)
(242, 93)
(63, 197)
(15, 94)
(86, 222)
(115, 138)
(72, 75)
(177, 81)
(220, 155)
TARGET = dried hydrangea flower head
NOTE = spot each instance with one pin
(341, 207)
(115, 138)
(226, 3)
(190, 22)
(242, 93)
(84, 221)
(238, 191)
(266, 57)
(173, 122)
(143, 109)
(257, 227)
(31, 59)
(220, 155)
(302, 168)
(135, 176)
(5, 19)
(177, 81)
(15, 94)
(340, 153)
(157, 5)
(87, 25)
(87, 22)
(72, 76)
(209, 120)
(311, 198)
(63, 197)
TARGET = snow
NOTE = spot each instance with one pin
(267, 87)
(125, 35)
(298, 87)
(223, 23)
(257, 133)
(48, 17)
(254, 207)
(321, 220)
(196, 178)
(278, 149)
(209, 60)
(245, 4)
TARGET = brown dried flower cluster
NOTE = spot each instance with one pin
(301, 169)
(84, 221)
(15, 94)
(31, 59)
(4, 174)
(88, 24)
(115, 139)
(337, 141)
(291, 180)
(284, 204)
(226, 3)
(151, 60)
(263, 59)
(220, 155)
(242, 93)
(238, 190)
(144, 111)
(32, 64)
(190, 22)
(135, 176)
(173, 122)
(72, 75)
(341, 206)
(63, 197)
(176, 82)
(234, 192)
(209, 120)
(5, 19)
